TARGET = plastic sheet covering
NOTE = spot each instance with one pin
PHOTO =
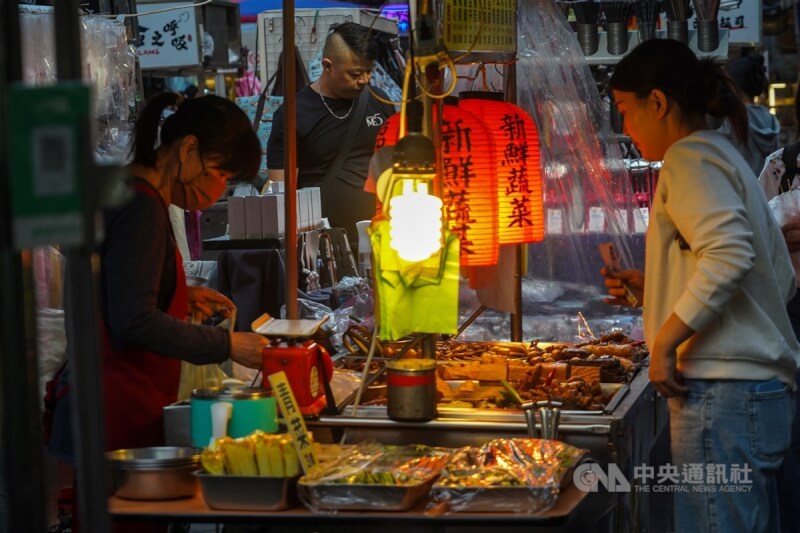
(373, 476)
(108, 63)
(582, 160)
(507, 475)
(51, 345)
(588, 194)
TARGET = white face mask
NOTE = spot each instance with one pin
(199, 192)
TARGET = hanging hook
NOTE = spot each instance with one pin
(314, 36)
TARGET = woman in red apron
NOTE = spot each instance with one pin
(203, 144)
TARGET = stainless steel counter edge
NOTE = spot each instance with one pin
(447, 424)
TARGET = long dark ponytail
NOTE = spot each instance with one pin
(223, 132)
(697, 86)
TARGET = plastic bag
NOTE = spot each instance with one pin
(199, 377)
(332, 330)
(203, 376)
(786, 208)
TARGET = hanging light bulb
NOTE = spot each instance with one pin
(415, 214)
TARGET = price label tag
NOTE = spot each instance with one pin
(620, 222)
(555, 219)
(597, 220)
(640, 220)
(293, 419)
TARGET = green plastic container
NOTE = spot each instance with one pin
(253, 409)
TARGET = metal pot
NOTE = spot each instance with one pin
(253, 408)
(411, 389)
(157, 473)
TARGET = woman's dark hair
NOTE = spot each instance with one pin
(223, 132)
(697, 86)
(749, 74)
(358, 38)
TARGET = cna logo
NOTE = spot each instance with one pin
(588, 476)
(375, 121)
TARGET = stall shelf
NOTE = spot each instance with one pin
(573, 509)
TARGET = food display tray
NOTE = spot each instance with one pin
(364, 497)
(248, 493)
(529, 500)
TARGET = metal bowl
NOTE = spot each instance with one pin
(158, 473)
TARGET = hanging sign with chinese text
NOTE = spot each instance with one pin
(519, 179)
(169, 36)
(469, 181)
(742, 18)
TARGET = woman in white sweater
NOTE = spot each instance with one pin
(716, 283)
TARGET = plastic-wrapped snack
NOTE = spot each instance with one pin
(516, 475)
(213, 461)
(372, 476)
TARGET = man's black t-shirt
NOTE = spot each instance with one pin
(320, 137)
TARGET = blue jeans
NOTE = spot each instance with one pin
(731, 423)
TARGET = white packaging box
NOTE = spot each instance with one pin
(252, 217)
(273, 216)
(297, 203)
(303, 209)
(316, 207)
(236, 217)
(310, 208)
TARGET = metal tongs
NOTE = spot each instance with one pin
(549, 414)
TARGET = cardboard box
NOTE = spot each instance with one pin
(236, 228)
(273, 218)
(252, 217)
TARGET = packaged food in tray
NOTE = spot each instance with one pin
(258, 454)
(372, 476)
(507, 475)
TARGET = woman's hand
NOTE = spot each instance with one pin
(791, 233)
(616, 283)
(664, 374)
(247, 348)
(205, 303)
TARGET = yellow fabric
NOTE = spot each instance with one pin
(415, 297)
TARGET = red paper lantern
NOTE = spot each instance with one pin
(469, 181)
(518, 164)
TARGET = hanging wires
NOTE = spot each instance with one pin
(154, 11)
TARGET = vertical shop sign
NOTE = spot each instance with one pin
(168, 37)
(457, 172)
(47, 161)
(469, 183)
(293, 419)
(480, 25)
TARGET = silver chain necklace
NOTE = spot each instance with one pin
(331, 110)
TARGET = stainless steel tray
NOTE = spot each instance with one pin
(345, 497)
(529, 500)
(248, 493)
